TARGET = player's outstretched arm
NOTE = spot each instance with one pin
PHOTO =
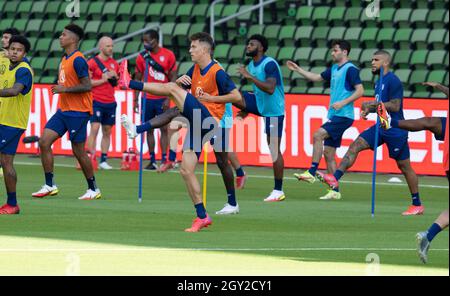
(308, 75)
(13, 91)
(233, 97)
(438, 86)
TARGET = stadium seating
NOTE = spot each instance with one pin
(415, 31)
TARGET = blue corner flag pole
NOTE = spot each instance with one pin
(374, 170)
(141, 154)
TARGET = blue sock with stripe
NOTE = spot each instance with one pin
(172, 155)
(144, 127)
(416, 199)
(91, 183)
(201, 211)
(278, 184)
(12, 199)
(313, 169)
(103, 157)
(433, 231)
(240, 172)
(231, 197)
(49, 179)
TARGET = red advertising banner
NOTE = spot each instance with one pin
(304, 115)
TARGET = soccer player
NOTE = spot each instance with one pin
(439, 127)
(162, 68)
(267, 101)
(74, 88)
(391, 93)
(346, 87)
(17, 80)
(206, 77)
(102, 70)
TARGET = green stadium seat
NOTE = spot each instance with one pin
(419, 18)
(48, 27)
(88, 45)
(366, 75)
(236, 54)
(37, 63)
(402, 16)
(302, 55)
(107, 28)
(48, 79)
(184, 67)
(33, 27)
(319, 56)
(298, 90)
(184, 12)
(6, 23)
(402, 38)
(403, 75)
(132, 47)
(167, 30)
(139, 11)
(304, 15)
(320, 36)
(24, 8)
(199, 12)
(386, 18)
(154, 12)
(368, 37)
(43, 45)
(2, 3)
(286, 74)
(124, 10)
(232, 70)
(355, 53)
(10, 9)
(20, 24)
(181, 34)
(336, 33)
(285, 54)
(271, 32)
(230, 10)
(32, 41)
(437, 38)
(246, 16)
(436, 18)
(418, 59)
(273, 51)
(402, 57)
(59, 27)
(320, 15)
(366, 57)
(119, 48)
(217, 11)
(385, 37)
(95, 8)
(121, 28)
(52, 65)
(38, 9)
(352, 17)
(438, 76)
(286, 35)
(136, 26)
(55, 46)
(417, 76)
(195, 28)
(316, 90)
(92, 29)
(437, 59)
(336, 16)
(419, 38)
(110, 10)
(221, 52)
(303, 35)
(168, 12)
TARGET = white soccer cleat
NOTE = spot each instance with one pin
(331, 195)
(105, 166)
(228, 210)
(128, 126)
(45, 191)
(91, 195)
(275, 196)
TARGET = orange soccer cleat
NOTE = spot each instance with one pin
(7, 209)
(199, 224)
(414, 210)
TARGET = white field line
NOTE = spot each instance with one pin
(264, 177)
(43, 250)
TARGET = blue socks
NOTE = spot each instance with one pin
(152, 157)
(137, 85)
(143, 127)
(433, 231)
(91, 183)
(103, 157)
(12, 200)
(416, 199)
(172, 155)
(201, 212)
(231, 197)
(49, 179)
(279, 184)
(240, 172)
(313, 168)
(338, 174)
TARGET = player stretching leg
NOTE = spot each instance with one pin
(391, 93)
(346, 87)
(74, 87)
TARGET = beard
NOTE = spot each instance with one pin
(252, 54)
(376, 71)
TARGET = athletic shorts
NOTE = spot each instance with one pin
(273, 125)
(202, 126)
(335, 127)
(395, 139)
(9, 139)
(441, 137)
(62, 122)
(105, 114)
(153, 108)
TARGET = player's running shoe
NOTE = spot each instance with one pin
(91, 195)
(46, 191)
(228, 210)
(199, 224)
(7, 209)
(275, 196)
(414, 210)
(129, 126)
(168, 165)
(305, 176)
(105, 166)
(385, 119)
(240, 181)
(124, 75)
(328, 179)
(331, 195)
(423, 245)
(152, 166)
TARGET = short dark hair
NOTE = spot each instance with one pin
(261, 39)
(343, 45)
(77, 30)
(153, 34)
(203, 37)
(11, 31)
(22, 40)
(385, 53)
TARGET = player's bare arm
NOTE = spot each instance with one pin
(308, 75)
(438, 86)
(84, 86)
(13, 91)
(184, 80)
(267, 86)
(233, 97)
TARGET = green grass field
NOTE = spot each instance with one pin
(302, 236)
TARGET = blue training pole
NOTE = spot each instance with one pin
(375, 148)
(141, 154)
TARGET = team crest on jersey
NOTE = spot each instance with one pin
(162, 58)
(199, 91)
(62, 76)
(112, 66)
